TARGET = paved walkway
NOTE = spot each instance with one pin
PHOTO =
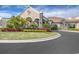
(67, 43)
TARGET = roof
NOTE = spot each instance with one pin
(55, 19)
(29, 8)
(72, 20)
(60, 20)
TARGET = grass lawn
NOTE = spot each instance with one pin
(24, 35)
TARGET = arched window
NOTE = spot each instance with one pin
(29, 19)
(37, 20)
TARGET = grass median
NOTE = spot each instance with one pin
(25, 35)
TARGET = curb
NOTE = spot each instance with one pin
(29, 41)
(69, 31)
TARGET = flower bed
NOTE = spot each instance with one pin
(36, 30)
(10, 30)
(25, 30)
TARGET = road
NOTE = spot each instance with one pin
(68, 43)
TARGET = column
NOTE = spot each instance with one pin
(40, 20)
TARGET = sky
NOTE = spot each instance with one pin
(64, 11)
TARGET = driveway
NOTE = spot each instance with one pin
(68, 43)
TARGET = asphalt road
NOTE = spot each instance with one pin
(68, 43)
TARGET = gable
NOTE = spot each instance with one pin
(30, 12)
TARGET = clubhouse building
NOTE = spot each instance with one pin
(65, 23)
(36, 16)
(33, 15)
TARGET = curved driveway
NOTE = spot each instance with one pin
(68, 43)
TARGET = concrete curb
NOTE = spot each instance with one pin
(69, 31)
(32, 40)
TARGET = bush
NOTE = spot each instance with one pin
(71, 25)
(46, 25)
(34, 26)
(54, 27)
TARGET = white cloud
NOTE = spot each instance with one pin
(54, 13)
(5, 6)
(21, 6)
(7, 15)
(69, 12)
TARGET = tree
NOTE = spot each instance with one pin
(16, 22)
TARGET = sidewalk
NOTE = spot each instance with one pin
(69, 31)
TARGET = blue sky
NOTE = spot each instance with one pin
(48, 10)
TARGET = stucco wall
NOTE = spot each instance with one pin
(77, 25)
(30, 12)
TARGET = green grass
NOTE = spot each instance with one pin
(24, 35)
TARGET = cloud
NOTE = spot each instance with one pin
(21, 6)
(67, 12)
(5, 15)
(42, 8)
(5, 6)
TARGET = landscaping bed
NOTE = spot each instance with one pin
(25, 35)
(25, 30)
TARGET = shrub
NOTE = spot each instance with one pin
(54, 27)
(46, 25)
(33, 26)
(71, 25)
